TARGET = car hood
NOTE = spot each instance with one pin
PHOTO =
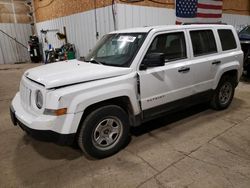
(72, 72)
(244, 37)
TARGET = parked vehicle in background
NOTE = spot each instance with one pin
(130, 77)
(244, 36)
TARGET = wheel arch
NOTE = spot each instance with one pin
(233, 73)
(121, 101)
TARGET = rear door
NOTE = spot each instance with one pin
(206, 59)
(230, 51)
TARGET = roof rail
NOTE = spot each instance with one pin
(204, 23)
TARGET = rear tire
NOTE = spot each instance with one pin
(104, 132)
(224, 93)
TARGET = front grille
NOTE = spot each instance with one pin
(25, 94)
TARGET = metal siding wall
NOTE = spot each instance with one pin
(80, 29)
(10, 51)
(81, 26)
(140, 16)
(238, 21)
(134, 16)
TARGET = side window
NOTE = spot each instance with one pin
(173, 46)
(227, 39)
(203, 42)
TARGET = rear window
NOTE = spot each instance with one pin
(227, 39)
(203, 42)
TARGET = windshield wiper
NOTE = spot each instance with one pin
(95, 62)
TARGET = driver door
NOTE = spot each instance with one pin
(162, 86)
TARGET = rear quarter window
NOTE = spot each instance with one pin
(227, 39)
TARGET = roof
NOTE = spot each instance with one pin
(169, 27)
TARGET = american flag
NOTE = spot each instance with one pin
(198, 11)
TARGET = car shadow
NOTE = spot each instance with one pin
(55, 152)
(245, 79)
(168, 119)
(52, 151)
(180, 115)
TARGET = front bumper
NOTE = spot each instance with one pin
(43, 135)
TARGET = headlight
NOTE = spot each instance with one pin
(39, 99)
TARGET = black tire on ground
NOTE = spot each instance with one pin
(104, 132)
(224, 93)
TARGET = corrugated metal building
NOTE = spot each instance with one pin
(83, 19)
(83, 23)
(14, 26)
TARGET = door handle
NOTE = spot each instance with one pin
(216, 62)
(184, 69)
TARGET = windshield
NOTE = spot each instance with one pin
(246, 30)
(116, 49)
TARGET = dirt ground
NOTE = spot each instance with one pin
(197, 147)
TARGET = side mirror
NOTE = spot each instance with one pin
(153, 60)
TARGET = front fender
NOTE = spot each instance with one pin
(82, 96)
(82, 101)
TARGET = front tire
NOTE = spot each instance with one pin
(224, 93)
(104, 132)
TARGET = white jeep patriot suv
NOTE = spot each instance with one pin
(130, 76)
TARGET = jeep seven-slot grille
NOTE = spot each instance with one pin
(25, 94)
